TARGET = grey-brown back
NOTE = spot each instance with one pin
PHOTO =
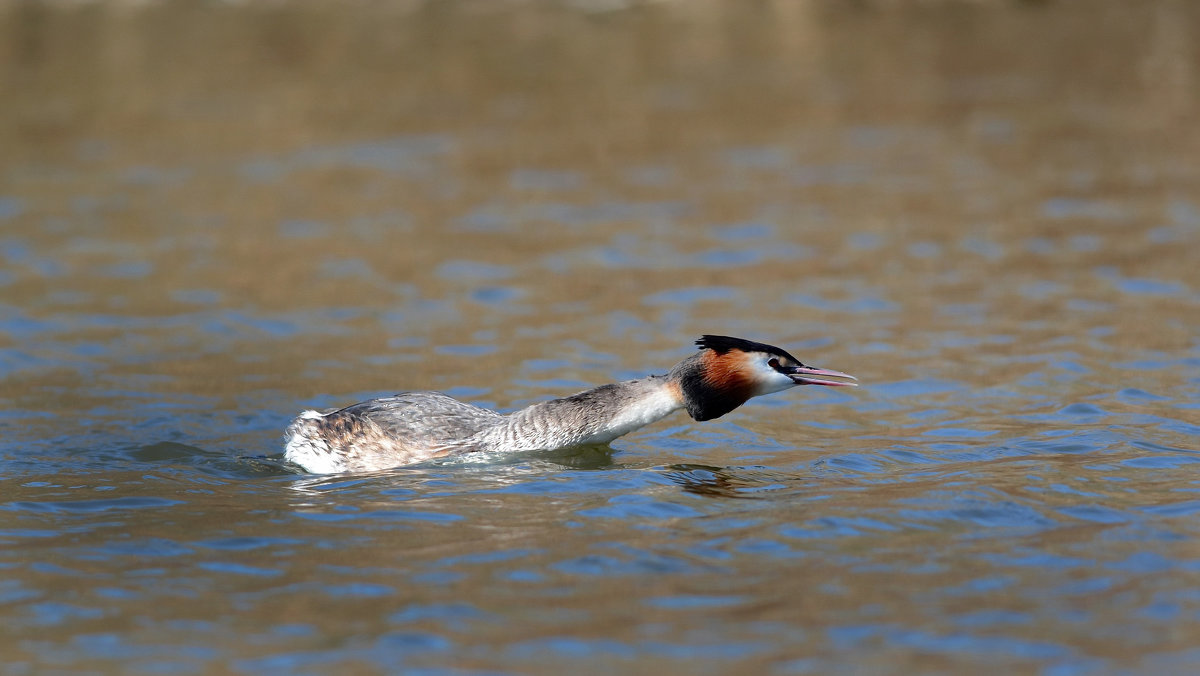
(424, 420)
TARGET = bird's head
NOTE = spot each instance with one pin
(728, 371)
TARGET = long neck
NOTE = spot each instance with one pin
(596, 416)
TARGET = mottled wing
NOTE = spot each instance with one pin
(428, 420)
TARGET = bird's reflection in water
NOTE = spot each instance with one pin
(492, 469)
(726, 482)
(592, 456)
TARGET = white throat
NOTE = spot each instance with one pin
(656, 405)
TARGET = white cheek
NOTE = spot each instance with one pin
(769, 380)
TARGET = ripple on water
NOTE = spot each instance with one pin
(91, 506)
(379, 517)
(230, 568)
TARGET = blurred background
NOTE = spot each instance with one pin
(216, 214)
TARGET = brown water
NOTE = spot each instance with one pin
(215, 215)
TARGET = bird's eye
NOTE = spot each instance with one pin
(773, 363)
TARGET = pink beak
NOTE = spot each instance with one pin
(808, 375)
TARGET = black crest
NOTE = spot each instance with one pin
(723, 344)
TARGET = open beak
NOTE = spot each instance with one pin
(808, 375)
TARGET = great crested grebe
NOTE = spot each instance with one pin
(413, 427)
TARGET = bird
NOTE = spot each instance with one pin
(415, 427)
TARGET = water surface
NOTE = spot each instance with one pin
(213, 216)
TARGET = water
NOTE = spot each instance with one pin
(215, 216)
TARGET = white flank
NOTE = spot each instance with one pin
(309, 450)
